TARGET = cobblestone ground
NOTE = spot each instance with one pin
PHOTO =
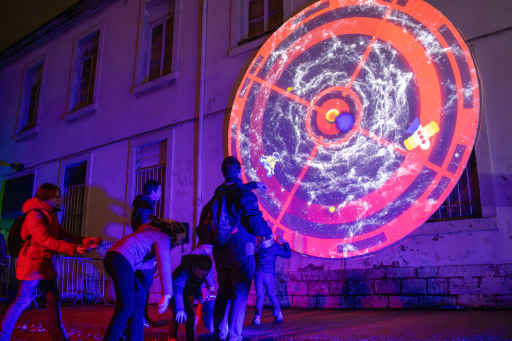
(88, 322)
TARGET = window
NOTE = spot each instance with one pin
(15, 192)
(156, 53)
(28, 118)
(82, 93)
(150, 165)
(464, 200)
(253, 20)
(262, 16)
(73, 203)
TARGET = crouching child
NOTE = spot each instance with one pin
(187, 280)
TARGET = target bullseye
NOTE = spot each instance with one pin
(331, 115)
(359, 117)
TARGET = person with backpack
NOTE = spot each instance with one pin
(230, 222)
(38, 236)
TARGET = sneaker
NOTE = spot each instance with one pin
(257, 320)
(278, 317)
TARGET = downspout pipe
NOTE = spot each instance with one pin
(200, 121)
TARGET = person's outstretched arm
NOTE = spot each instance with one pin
(38, 230)
(179, 284)
(284, 249)
(251, 212)
(163, 258)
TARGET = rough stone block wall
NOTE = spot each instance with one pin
(387, 287)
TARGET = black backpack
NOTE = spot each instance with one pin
(14, 241)
(218, 221)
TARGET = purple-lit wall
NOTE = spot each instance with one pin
(457, 263)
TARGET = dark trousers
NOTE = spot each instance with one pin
(234, 284)
(26, 294)
(145, 279)
(264, 281)
(130, 300)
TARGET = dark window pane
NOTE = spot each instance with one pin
(75, 174)
(168, 45)
(276, 6)
(32, 108)
(464, 200)
(16, 192)
(256, 28)
(33, 77)
(275, 14)
(256, 9)
(156, 52)
(89, 57)
(172, 6)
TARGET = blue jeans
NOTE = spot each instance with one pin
(266, 280)
(234, 284)
(26, 294)
(130, 300)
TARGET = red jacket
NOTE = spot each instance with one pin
(35, 258)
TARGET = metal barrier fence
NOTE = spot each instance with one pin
(78, 279)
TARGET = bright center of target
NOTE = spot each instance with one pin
(331, 115)
(334, 116)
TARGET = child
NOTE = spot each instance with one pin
(187, 280)
(208, 288)
(266, 254)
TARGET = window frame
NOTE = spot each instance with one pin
(239, 43)
(23, 132)
(168, 185)
(475, 201)
(72, 111)
(141, 82)
(161, 21)
(87, 204)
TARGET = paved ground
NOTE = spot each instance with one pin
(88, 323)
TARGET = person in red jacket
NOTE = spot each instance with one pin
(43, 237)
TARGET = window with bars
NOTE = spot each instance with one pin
(150, 164)
(156, 57)
(73, 198)
(464, 200)
(85, 71)
(30, 101)
(262, 16)
(145, 174)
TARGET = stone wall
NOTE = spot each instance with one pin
(446, 287)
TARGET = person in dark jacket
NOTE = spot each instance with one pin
(43, 237)
(234, 261)
(187, 281)
(266, 254)
(143, 210)
(128, 255)
(144, 205)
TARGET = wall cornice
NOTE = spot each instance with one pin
(52, 29)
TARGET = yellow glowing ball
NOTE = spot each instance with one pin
(331, 115)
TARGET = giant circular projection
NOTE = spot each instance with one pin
(359, 116)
